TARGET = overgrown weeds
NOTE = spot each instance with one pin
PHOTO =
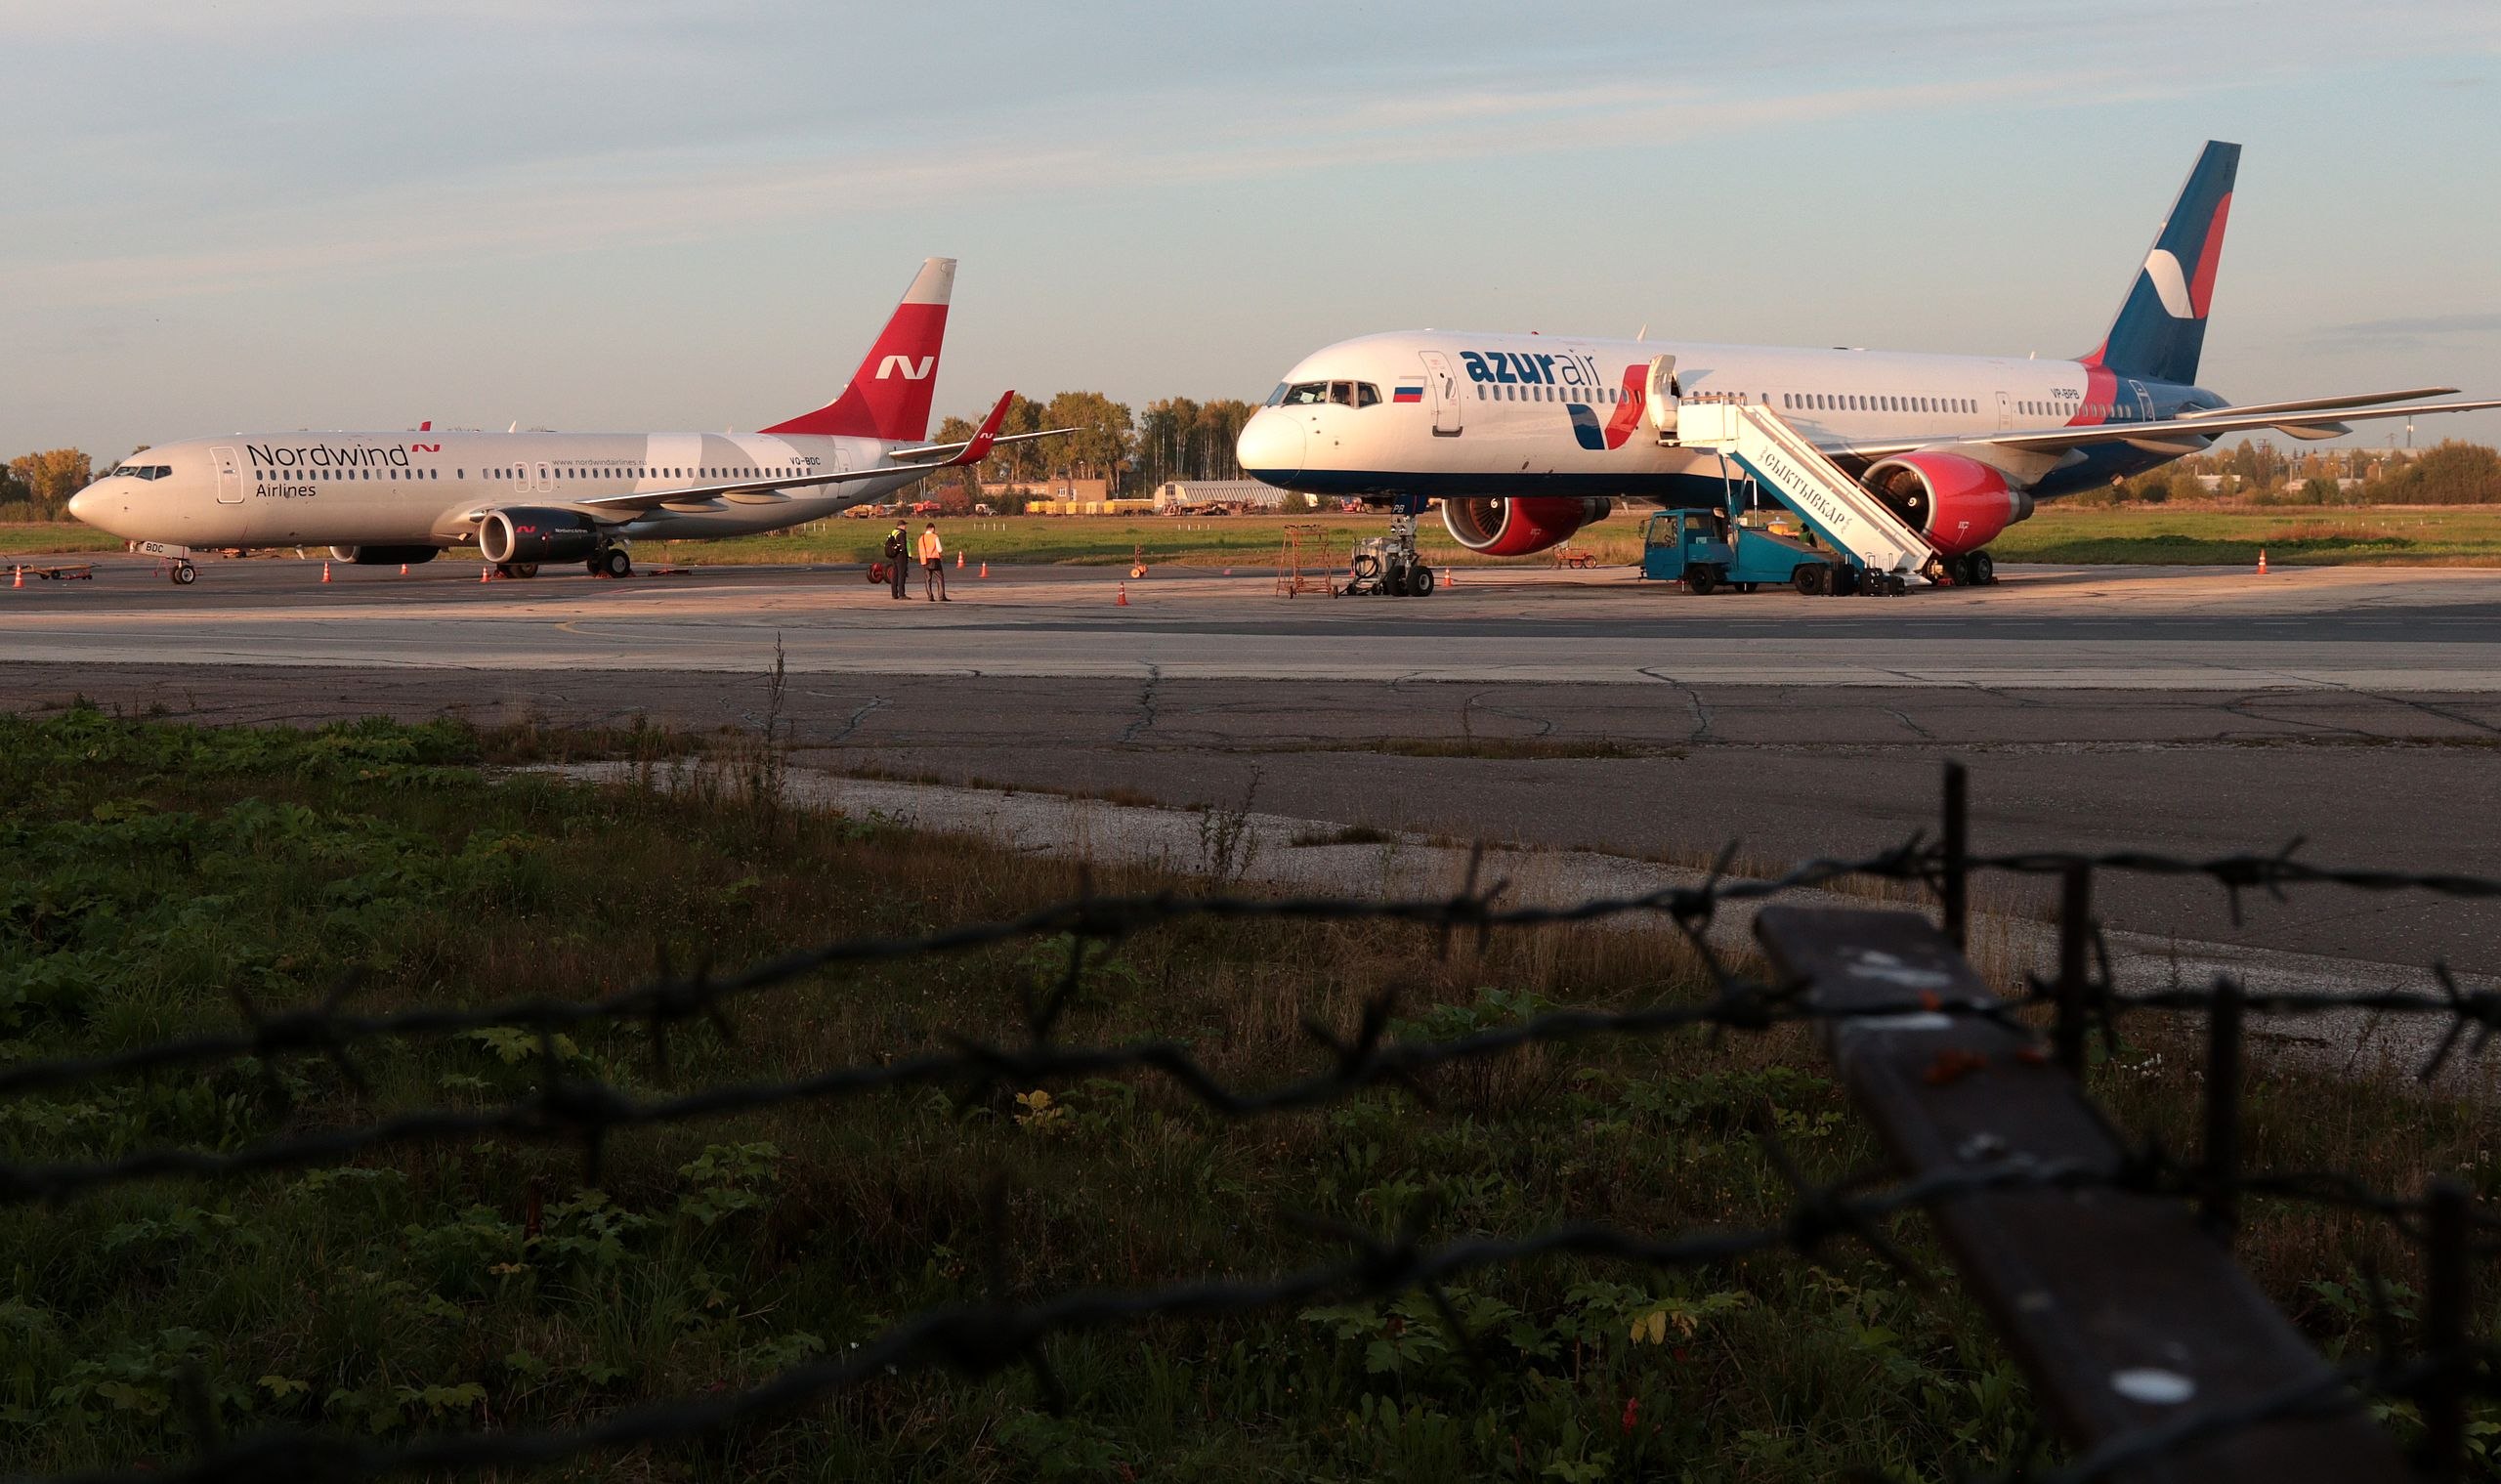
(156, 870)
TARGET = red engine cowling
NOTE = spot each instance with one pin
(1515, 526)
(1960, 504)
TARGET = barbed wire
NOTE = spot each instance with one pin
(982, 1340)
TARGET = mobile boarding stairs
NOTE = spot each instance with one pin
(1786, 464)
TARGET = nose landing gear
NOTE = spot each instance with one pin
(1391, 564)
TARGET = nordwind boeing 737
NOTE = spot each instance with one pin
(1525, 439)
(531, 497)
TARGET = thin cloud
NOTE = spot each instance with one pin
(568, 205)
(2420, 332)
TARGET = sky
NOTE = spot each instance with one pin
(228, 215)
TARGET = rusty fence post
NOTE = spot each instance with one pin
(2448, 1248)
(1955, 887)
(2075, 940)
(2220, 1177)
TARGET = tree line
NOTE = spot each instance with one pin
(2452, 471)
(37, 486)
(1173, 439)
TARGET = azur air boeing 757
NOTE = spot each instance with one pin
(1525, 439)
(533, 497)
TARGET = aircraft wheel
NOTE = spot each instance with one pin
(1394, 582)
(617, 562)
(184, 575)
(525, 569)
(1983, 569)
(1419, 582)
(1701, 578)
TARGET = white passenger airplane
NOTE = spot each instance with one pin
(1525, 439)
(531, 498)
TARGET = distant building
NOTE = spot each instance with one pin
(1216, 494)
(1084, 492)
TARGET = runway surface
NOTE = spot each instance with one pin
(2198, 713)
(2100, 628)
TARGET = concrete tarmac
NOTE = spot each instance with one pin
(2193, 711)
(2099, 628)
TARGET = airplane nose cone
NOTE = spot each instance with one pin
(1271, 443)
(84, 504)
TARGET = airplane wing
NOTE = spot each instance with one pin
(926, 458)
(2325, 416)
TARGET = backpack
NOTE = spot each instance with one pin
(894, 547)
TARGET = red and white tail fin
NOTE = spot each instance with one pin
(888, 396)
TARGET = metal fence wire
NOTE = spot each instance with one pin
(2105, 1264)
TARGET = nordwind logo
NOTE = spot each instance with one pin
(903, 366)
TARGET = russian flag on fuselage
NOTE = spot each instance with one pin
(1408, 390)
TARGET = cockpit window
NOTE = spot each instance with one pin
(1342, 394)
(140, 472)
(1278, 395)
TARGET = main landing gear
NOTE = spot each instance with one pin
(516, 568)
(1972, 568)
(613, 562)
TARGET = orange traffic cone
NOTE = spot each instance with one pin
(21, 579)
(1228, 571)
(984, 569)
(404, 569)
(326, 571)
(959, 561)
(485, 571)
(1123, 598)
(2262, 561)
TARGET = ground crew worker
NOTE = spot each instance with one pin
(933, 554)
(899, 560)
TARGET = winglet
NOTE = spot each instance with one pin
(979, 448)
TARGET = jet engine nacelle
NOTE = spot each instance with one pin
(1515, 526)
(385, 556)
(537, 536)
(1960, 504)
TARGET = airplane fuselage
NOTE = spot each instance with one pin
(1469, 415)
(429, 489)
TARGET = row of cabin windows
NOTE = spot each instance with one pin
(1363, 394)
(1506, 393)
(159, 471)
(2091, 411)
(350, 474)
(1859, 402)
(792, 471)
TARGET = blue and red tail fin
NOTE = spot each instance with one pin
(888, 396)
(2162, 325)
